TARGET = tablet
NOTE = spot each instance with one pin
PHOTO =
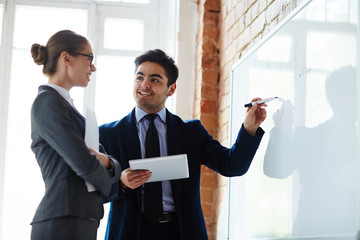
(163, 168)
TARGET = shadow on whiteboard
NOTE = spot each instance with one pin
(325, 159)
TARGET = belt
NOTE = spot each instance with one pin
(164, 218)
(167, 217)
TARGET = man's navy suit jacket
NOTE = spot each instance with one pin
(120, 139)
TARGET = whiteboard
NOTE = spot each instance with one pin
(304, 180)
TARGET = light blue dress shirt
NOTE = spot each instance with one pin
(160, 123)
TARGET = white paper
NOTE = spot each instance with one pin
(91, 130)
(91, 138)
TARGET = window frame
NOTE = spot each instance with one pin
(162, 10)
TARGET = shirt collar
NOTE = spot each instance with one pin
(139, 114)
(62, 91)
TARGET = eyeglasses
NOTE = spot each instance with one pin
(90, 56)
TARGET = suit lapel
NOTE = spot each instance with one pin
(132, 144)
(175, 146)
(47, 88)
(131, 137)
(77, 112)
(174, 135)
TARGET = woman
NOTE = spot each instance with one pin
(68, 210)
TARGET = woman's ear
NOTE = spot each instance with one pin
(65, 58)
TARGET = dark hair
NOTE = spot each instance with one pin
(160, 57)
(61, 41)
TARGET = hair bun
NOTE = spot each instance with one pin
(39, 53)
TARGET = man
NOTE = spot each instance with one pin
(181, 216)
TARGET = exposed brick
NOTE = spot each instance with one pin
(208, 106)
(211, 19)
(207, 195)
(209, 180)
(209, 92)
(209, 122)
(210, 77)
(227, 30)
(207, 209)
(205, 169)
(212, 5)
(208, 47)
(210, 32)
(210, 62)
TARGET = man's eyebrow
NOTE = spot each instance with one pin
(156, 75)
(151, 75)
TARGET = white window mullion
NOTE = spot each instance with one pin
(5, 64)
(93, 36)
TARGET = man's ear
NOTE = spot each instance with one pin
(172, 89)
(65, 58)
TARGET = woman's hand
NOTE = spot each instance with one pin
(103, 159)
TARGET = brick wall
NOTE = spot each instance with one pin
(206, 96)
(226, 30)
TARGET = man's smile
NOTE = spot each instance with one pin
(145, 93)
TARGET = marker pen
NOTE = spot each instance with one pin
(260, 102)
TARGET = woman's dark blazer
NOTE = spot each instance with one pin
(120, 139)
(65, 162)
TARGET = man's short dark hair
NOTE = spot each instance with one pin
(160, 57)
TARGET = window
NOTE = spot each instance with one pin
(1, 20)
(24, 81)
(123, 40)
(129, 34)
(127, 1)
(116, 40)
